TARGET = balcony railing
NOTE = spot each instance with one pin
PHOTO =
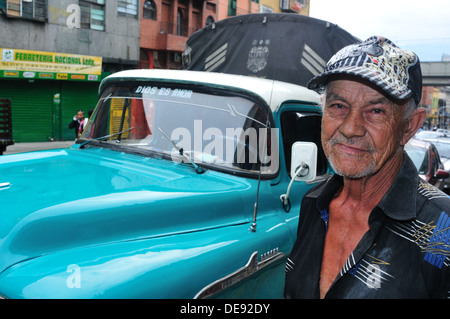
(176, 29)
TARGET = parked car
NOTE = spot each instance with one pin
(443, 147)
(184, 184)
(444, 131)
(442, 143)
(431, 135)
(427, 161)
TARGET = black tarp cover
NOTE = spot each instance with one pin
(285, 47)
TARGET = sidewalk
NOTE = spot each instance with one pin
(29, 147)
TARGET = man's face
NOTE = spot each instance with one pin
(361, 128)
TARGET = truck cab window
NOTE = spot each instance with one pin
(303, 127)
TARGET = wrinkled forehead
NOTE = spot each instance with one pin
(358, 89)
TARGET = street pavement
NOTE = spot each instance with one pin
(30, 147)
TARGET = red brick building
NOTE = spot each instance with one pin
(167, 24)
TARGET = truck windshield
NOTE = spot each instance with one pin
(211, 128)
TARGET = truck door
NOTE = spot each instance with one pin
(298, 124)
(305, 127)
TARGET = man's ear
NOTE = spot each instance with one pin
(413, 124)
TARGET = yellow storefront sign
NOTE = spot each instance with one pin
(78, 77)
(11, 74)
(64, 65)
(61, 76)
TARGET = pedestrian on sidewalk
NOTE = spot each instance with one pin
(78, 124)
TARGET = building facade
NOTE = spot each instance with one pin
(434, 99)
(231, 8)
(285, 6)
(167, 24)
(165, 27)
(53, 54)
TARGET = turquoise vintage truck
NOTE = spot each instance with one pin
(181, 186)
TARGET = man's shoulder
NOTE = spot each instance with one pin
(435, 201)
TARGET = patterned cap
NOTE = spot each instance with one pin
(395, 71)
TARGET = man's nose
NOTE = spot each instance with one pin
(353, 125)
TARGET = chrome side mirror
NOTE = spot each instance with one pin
(304, 161)
(303, 167)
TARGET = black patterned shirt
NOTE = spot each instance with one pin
(405, 253)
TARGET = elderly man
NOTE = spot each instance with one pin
(374, 229)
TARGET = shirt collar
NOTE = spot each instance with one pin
(399, 202)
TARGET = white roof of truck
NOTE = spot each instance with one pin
(273, 92)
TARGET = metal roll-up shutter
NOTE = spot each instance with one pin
(76, 96)
(32, 109)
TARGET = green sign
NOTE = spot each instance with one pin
(25, 64)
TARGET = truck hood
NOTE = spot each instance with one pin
(62, 199)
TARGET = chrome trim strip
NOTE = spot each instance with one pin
(249, 269)
(5, 185)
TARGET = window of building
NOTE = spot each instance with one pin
(232, 5)
(93, 14)
(292, 5)
(210, 7)
(209, 20)
(265, 9)
(180, 22)
(149, 10)
(13, 8)
(128, 7)
(3, 6)
(27, 9)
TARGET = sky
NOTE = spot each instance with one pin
(419, 26)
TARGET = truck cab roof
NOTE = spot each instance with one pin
(271, 91)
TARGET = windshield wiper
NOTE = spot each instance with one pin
(105, 137)
(197, 168)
